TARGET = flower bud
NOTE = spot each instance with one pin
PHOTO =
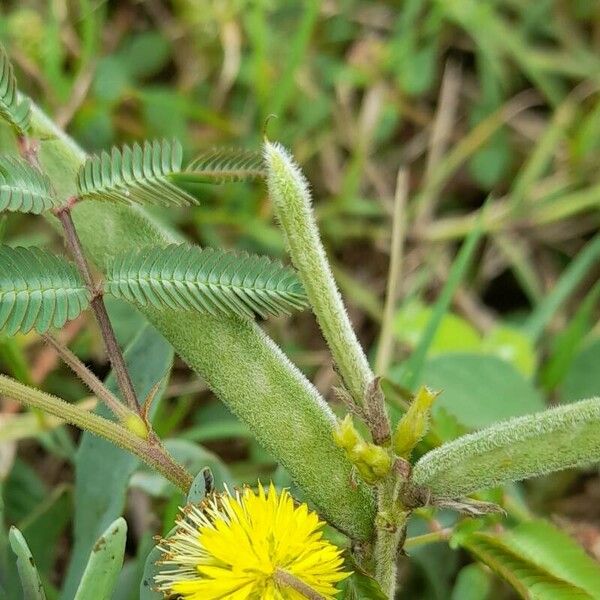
(414, 425)
(345, 434)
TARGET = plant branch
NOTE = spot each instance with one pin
(93, 383)
(153, 454)
(98, 307)
(287, 579)
(428, 538)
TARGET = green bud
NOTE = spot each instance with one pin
(414, 425)
(345, 434)
(136, 425)
(372, 462)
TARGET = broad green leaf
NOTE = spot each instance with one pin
(102, 471)
(583, 377)
(472, 583)
(105, 562)
(479, 390)
(13, 110)
(210, 281)
(24, 188)
(38, 290)
(30, 580)
(135, 174)
(454, 334)
(552, 440)
(360, 586)
(538, 560)
(512, 346)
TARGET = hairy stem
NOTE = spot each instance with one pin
(291, 198)
(99, 309)
(288, 580)
(153, 454)
(93, 383)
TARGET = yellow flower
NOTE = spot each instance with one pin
(249, 546)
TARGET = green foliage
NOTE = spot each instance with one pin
(538, 560)
(558, 438)
(479, 390)
(105, 562)
(38, 290)
(24, 188)
(184, 277)
(17, 112)
(30, 580)
(583, 377)
(224, 164)
(135, 174)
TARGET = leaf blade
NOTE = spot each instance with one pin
(24, 188)
(13, 110)
(30, 580)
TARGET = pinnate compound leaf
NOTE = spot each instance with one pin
(523, 447)
(24, 188)
(13, 110)
(38, 290)
(204, 280)
(221, 165)
(538, 560)
(138, 173)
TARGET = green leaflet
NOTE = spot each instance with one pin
(16, 112)
(104, 565)
(224, 164)
(538, 560)
(555, 439)
(30, 580)
(24, 188)
(38, 290)
(135, 174)
(205, 280)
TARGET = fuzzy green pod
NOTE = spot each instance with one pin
(552, 440)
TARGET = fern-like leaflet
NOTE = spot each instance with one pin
(24, 188)
(205, 280)
(16, 112)
(38, 290)
(221, 165)
(135, 174)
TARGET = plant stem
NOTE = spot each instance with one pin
(93, 383)
(386, 340)
(292, 202)
(287, 579)
(98, 307)
(153, 454)
(428, 538)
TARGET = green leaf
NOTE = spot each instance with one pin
(513, 346)
(104, 564)
(16, 112)
(183, 277)
(221, 165)
(24, 188)
(479, 390)
(30, 580)
(453, 334)
(472, 583)
(360, 586)
(102, 471)
(38, 290)
(552, 440)
(151, 569)
(135, 174)
(583, 377)
(538, 560)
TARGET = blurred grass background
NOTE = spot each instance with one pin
(453, 116)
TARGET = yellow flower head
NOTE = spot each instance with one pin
(249, 546)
